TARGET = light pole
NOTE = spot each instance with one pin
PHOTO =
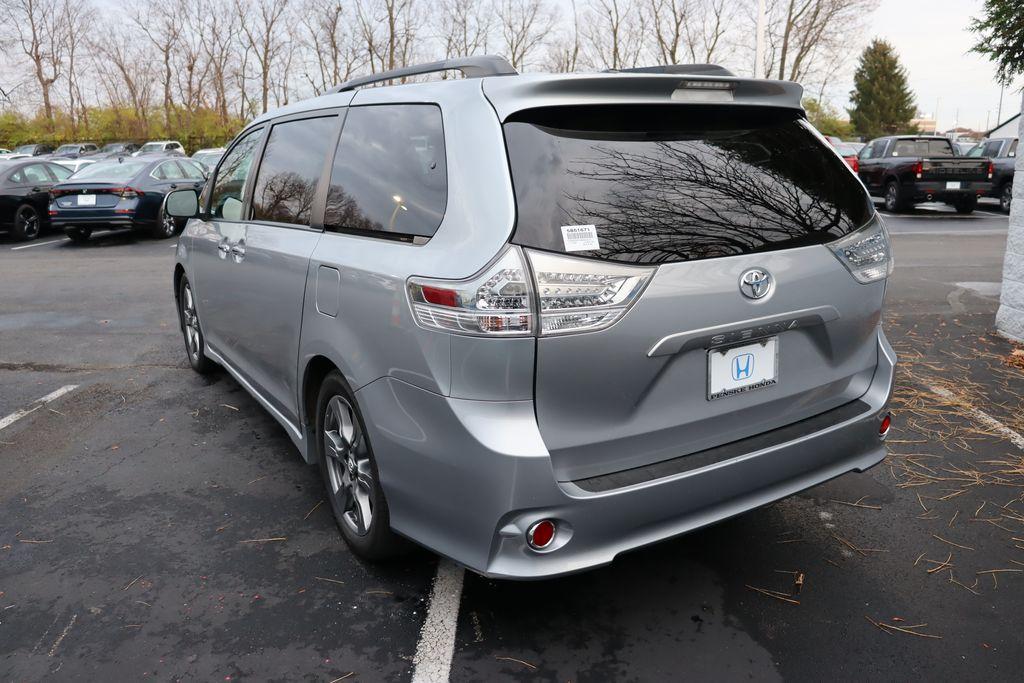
(759, 45)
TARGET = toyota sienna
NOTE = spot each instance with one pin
(532, 322)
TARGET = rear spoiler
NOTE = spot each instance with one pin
(509, 95)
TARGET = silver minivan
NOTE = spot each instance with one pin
(534, 321)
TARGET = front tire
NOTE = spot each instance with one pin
(195, 343)
(78, 235)
(894, 202)
(1006, 197)
(26, 223)
(350, 475)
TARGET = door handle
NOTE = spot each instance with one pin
(238, 252)
(174, 186)
(224, 249)
(37, 189)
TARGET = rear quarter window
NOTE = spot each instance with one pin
(390, 175)
(664, 184)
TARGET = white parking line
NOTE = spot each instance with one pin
(38, 244)
(981, 416)
(433, 659)
(36, 405)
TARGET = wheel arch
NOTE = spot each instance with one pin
(317, 367)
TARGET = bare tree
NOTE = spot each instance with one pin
(191, 64)
(160, 24)
(523, 25)
(77, 21)
(332, 49)
(219, 48)
(125, 74)
(564, 51)
(388, 30)
(690, 30)
(802, 33)
(41, 38)
(265, 37)
(614, 33)
(464, 26)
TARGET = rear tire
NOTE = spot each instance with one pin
(894, 201)
(166, 226)
(350, 475)
(1006, 197)
(26, 223)
(78, 235)
(966, 206)
(195, 342)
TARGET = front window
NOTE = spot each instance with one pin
(67, 149)
(228, 189)
(25, 149)
(152, 147)
(656, 184)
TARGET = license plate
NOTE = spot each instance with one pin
(740, 369)
(953, 185)
(87, 200)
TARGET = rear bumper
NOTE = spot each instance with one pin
(922, 191)
(467, 478)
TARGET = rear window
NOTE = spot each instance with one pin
(110, 171)
(922, 148)
(389, 176)
(661, 185)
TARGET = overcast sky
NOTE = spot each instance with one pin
(934, 43)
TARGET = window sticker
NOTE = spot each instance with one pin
(580, 237)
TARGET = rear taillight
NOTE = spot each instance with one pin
(565, 294)
(866, 253)
(855, 164)
(991, 170)
(582, 295)
(918, 169)
(125, 192)
(494, 302)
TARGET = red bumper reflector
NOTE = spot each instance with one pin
(883, 428)
(540, 535)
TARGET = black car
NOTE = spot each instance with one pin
(909, 169)
(113, 150)
(1003, 153)
(24, 188)
(122, 193)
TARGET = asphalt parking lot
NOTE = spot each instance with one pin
(159, 525)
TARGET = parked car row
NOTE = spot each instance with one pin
(37, 194)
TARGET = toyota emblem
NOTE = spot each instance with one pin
(756, 283)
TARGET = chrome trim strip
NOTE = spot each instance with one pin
(738, 332)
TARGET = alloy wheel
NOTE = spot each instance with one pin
(167, 224)
(890, 198)
(348, 466)
(191, 320)
(28, 223)
(1006, 198)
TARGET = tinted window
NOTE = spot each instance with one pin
(1013, 149)
(59, 172)
(168, 171)
(291, 168)
(229, 187)
(661, 187)
(922, 148)
(992, 148)
(389, 171)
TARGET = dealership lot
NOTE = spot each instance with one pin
(158, 524)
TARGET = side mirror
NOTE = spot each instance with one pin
(232, 209)
(182, 204)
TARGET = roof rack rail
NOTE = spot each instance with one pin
(689, 69)
(471, 67)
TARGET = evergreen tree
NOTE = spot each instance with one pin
(1001, 31)
(882, 101)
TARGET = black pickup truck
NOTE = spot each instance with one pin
(909, 169)
(1003, 154)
